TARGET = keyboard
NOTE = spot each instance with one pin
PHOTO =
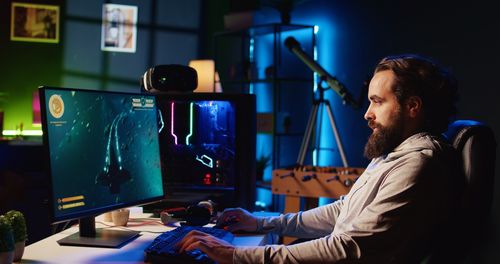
(161, 250)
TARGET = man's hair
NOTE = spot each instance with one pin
(416, 75)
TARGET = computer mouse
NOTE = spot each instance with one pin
(229, 221)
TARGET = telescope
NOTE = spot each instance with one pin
(294, 46)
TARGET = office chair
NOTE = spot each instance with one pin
(476, 146)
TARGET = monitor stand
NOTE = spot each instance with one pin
(89, 236)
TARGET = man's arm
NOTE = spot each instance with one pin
(314, 223)
(410, 200)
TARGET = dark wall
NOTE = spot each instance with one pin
(168, 32)
(23, 67)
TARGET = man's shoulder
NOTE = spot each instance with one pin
(423, 148)
(426, 143)
(424, 155)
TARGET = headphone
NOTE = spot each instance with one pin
(194, 215)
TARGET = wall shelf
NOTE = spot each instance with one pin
(256, 60)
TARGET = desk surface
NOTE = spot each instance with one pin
(49, 251)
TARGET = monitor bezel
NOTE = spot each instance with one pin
(92, 212)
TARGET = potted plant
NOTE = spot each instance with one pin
(18, 224)
(6, 241)
(261, 164)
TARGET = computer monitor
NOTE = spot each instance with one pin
(103, 154)
(207, 144)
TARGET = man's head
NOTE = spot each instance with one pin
(408, 94)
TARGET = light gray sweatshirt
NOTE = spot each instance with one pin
(390, 215)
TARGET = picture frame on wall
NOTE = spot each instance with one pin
(34, 23)
(119, 28)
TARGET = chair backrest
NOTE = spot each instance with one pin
(476, 145)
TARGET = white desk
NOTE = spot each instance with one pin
(49, 251)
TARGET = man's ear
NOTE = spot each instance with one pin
(414, 106)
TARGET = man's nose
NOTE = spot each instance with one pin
(369, 114)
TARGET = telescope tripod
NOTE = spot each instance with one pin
(312, 123)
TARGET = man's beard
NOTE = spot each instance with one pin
(384, 139)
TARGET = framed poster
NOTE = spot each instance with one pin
(33, 22)
(119, 28)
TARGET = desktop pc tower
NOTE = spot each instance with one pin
(207, 145)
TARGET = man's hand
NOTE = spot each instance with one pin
(218, 250)
(235, 219)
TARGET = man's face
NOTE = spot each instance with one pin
(384, 115)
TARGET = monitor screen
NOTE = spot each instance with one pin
(103, 151)
(207, 142)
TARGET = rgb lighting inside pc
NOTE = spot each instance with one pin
(199, 142)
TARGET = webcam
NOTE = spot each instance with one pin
(169, 78)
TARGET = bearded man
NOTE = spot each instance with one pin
(397, 208)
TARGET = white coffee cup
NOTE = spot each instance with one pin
(120, 217)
